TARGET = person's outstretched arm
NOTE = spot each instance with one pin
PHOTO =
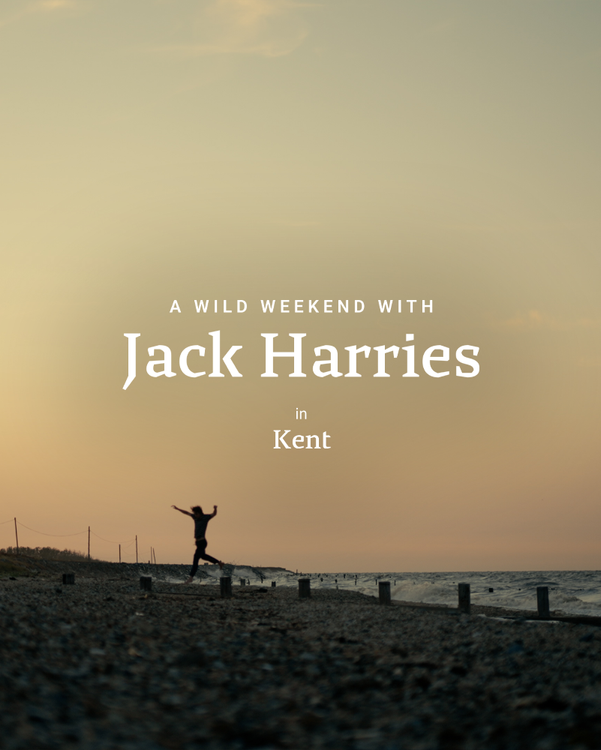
(185, 512)
(214, 513)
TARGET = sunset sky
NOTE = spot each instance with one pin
(443, 150)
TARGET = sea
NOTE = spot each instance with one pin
(570, 591)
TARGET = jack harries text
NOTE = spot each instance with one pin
(327, 360)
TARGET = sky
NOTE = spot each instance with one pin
(444, 151)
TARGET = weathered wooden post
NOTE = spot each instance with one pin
(464, 597)
(304, 588)
(225, 585)
(384, 592)
(542, 601)
(146, 583)
(68, 579)
(273, 584)
(242, 582)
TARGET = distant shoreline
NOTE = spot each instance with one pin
(23, 565)
(28, 567)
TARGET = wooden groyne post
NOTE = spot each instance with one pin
(304, 588)
(384, 592)
(463, 590)
(146, 583)
(542, 602)
(225, 586)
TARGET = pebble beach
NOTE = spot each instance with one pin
(103, 665)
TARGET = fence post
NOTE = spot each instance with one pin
(542, 601)
(146, 583)
(17, 536)
(273, 584)
(225, 585)
(464, 597)
(304, 588)
(384, 592)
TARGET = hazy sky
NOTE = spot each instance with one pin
(161, 150)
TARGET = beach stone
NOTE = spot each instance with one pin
(102, 667)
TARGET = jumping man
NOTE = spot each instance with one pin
(200, 529)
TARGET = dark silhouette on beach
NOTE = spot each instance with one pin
(201, 521)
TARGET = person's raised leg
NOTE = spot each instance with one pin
(211, 559)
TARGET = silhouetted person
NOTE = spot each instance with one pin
(200, 529)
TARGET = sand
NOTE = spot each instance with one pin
(102, 665)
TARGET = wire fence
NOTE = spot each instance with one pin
(43, 533)
(123, 546)
(130, 541)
